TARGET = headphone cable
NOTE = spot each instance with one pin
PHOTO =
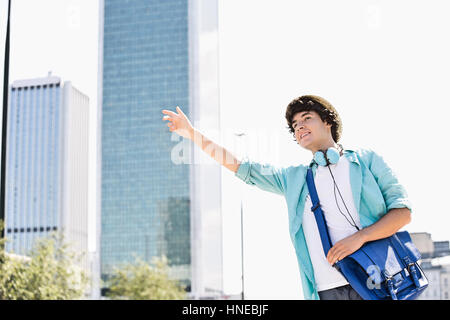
(335, 198)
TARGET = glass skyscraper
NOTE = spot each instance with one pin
(151, 205)
(47, 157)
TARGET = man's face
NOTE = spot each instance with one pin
(310, 131)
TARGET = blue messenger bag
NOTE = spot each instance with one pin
(384, 269)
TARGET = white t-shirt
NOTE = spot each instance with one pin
(339, 228)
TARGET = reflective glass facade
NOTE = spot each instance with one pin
(145, 197)
(34, 158)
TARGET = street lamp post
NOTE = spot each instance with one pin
(242, 248)
(240, 135)
(4, 123)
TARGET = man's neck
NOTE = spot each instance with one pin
(325, 146)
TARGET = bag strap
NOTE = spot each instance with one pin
(318, 213)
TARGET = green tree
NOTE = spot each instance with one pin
(143, 281)
(49, 272)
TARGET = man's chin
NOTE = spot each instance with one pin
(305, 145)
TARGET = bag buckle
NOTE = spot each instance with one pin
(390, 286)
(413, 273)
(314, 208)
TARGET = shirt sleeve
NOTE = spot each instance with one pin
(394, 193)
(265, 176)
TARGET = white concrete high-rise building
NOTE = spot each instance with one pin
(437, 271)
(47, 165)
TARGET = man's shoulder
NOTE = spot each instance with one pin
(361, 150)
(296, 169)
(367, 154)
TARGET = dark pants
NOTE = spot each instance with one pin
(340, 293)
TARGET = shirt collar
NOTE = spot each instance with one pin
(348, 153)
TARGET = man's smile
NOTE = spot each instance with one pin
(305, 134)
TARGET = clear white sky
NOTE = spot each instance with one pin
(383, 64)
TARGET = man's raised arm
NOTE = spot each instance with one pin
(180, 124)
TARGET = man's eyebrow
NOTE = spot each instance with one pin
(302, 116)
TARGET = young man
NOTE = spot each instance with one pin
(371, 203)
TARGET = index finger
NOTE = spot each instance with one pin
(330, 253)
(169, 112)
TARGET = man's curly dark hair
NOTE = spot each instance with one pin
(318, 104)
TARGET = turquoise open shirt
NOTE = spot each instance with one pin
(375, 190)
